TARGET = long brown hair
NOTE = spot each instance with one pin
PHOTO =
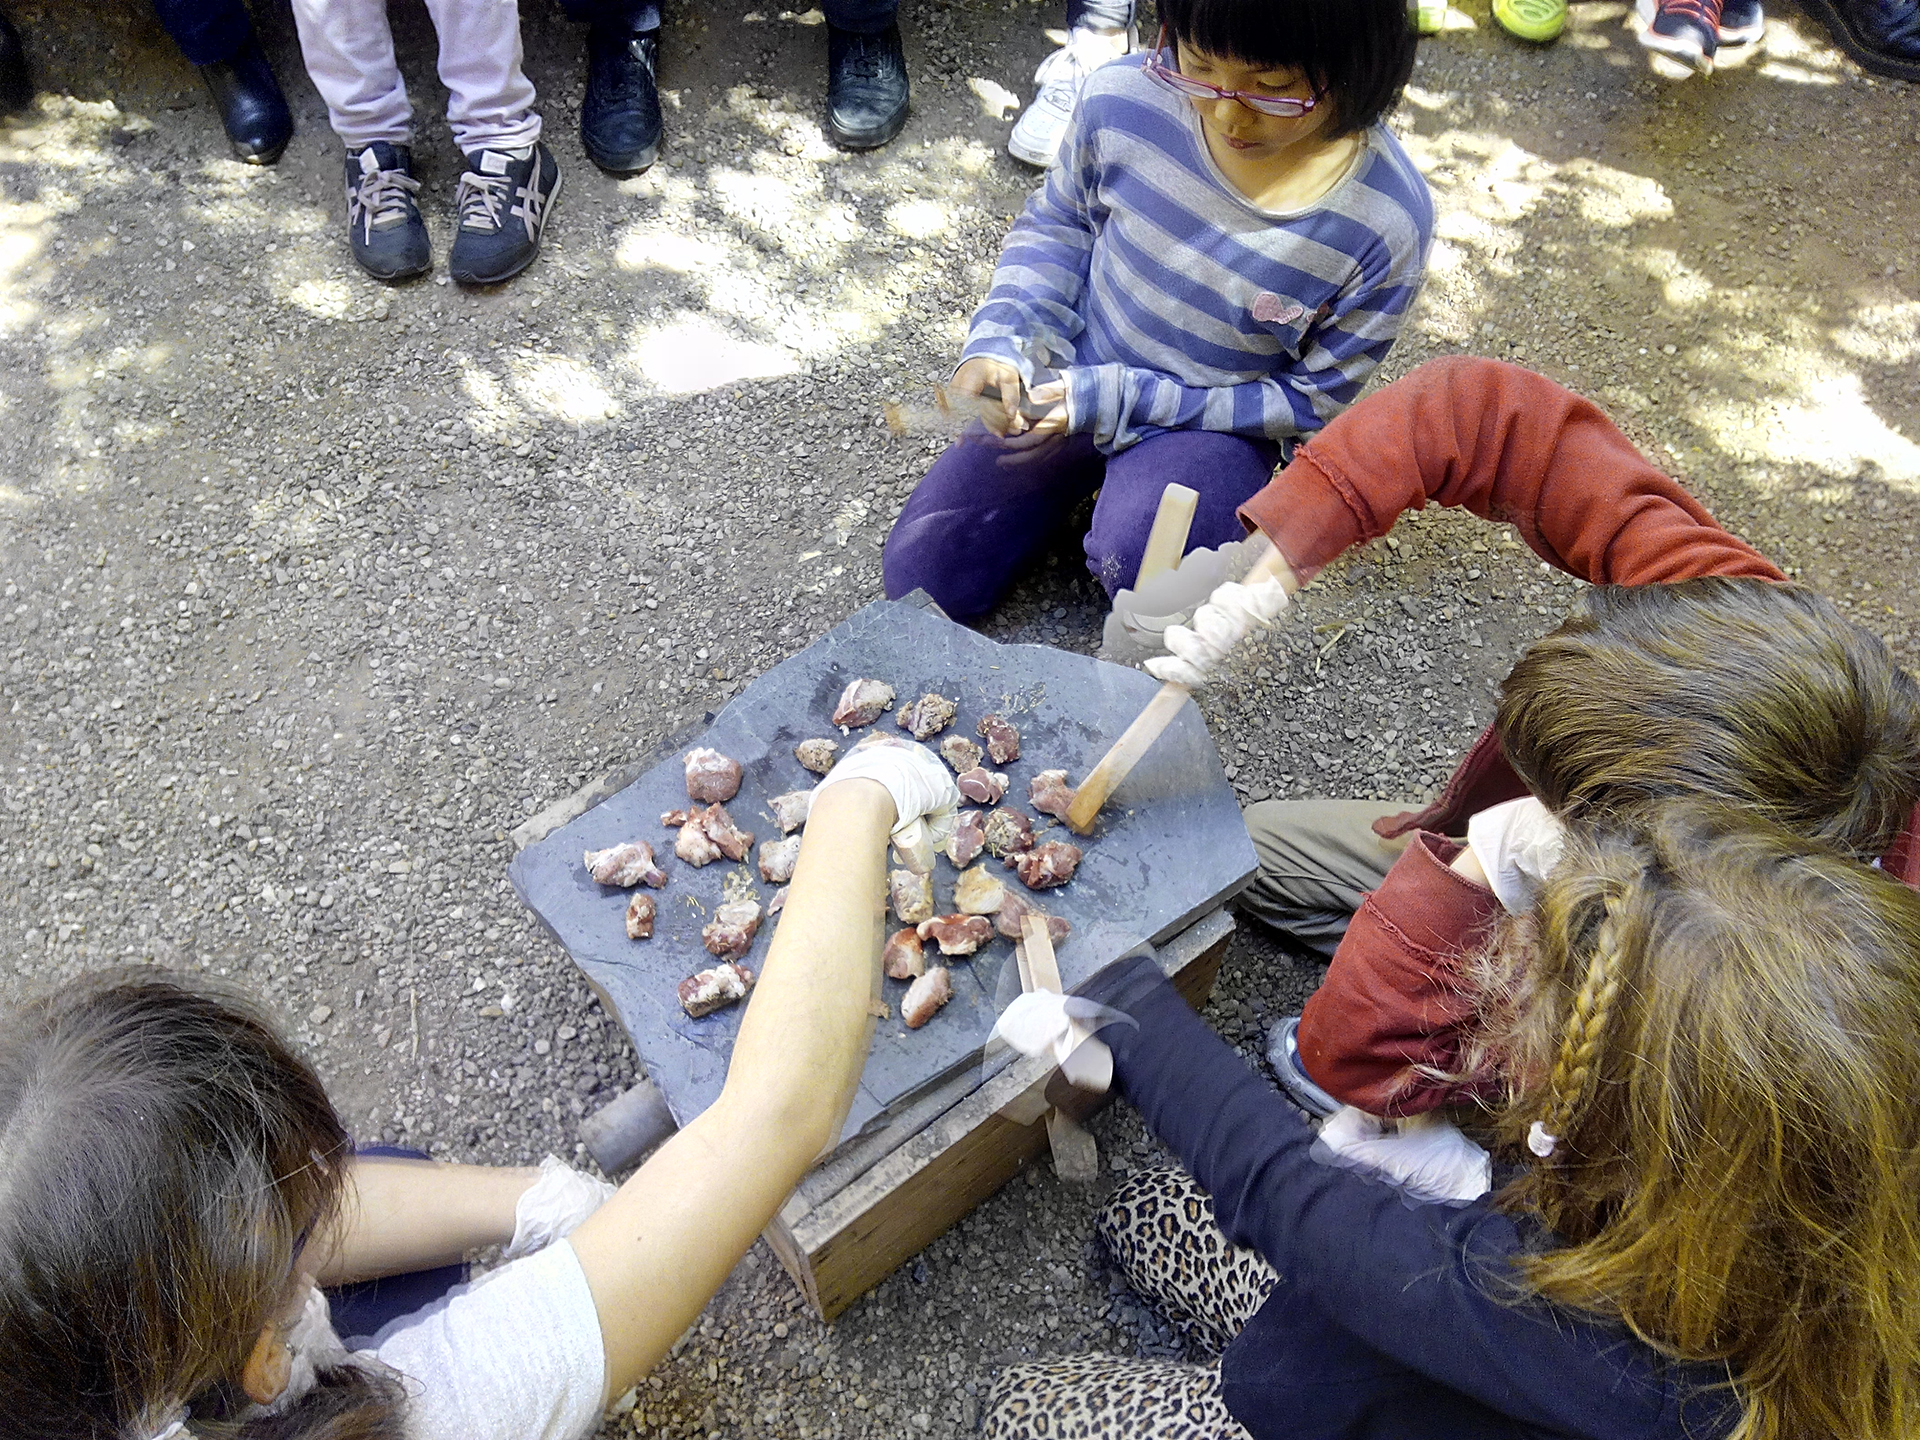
(1719, 1026)
(162, 1153)
(1759, 694)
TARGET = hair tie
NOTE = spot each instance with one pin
(1539, 1141)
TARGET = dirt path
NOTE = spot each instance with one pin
(314, 589)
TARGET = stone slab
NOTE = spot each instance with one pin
(1170, 847)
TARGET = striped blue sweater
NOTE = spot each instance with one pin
(1171, 301)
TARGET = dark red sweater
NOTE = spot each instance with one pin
(1512, 446)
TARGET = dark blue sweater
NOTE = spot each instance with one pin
(1393, 1320)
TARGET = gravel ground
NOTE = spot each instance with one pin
(314, 589)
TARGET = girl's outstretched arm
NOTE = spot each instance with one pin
(657, 1251)
(1508, 445)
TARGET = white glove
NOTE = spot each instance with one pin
(554, 1206)
(1136, 627)
(1517, 844)
(1233, 612)
(926, 802)
(1425, 1155)
(1041, 1022)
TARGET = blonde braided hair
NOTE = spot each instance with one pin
(1585, 1028)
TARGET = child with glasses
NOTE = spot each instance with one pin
(1221, 257)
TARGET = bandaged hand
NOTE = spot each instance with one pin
(1041, 1022)
(1425, 1155)
(926, 802)
(1232, 612)
(1517, 844)
(554, 1206)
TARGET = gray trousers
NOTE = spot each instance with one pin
(1317, 859)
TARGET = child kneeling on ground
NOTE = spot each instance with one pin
(1221, 257)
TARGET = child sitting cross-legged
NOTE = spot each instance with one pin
(1221, 256)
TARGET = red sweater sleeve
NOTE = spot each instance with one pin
(1395, 1003)
(1508, 445)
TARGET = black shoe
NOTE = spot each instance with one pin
(620, 118)
(251, 105)
(1881, 35)
(503, 200)
(866, 87)
(383, 222)
(16, 84)
(1283, 1054)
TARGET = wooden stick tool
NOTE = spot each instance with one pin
(1131, 747)
(1076, 1157)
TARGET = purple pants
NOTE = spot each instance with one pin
(988, 505)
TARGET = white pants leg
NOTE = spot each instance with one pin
(348, 48)
(489, 98)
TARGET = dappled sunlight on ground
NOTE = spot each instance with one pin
(758, 251)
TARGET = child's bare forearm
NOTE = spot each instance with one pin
(400, 1215)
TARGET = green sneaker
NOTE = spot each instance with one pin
(1537, 20)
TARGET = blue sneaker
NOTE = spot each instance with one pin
(1283, 1054)
(1741, 23)
(504, 200)
(389, 237)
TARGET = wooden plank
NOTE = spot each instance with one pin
(839, 1246)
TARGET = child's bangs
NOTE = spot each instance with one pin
(1276, 34)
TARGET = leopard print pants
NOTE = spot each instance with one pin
(1160, 1230)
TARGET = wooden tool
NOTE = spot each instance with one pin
(1128, 750)
(1167, 541)
(1075, 1156)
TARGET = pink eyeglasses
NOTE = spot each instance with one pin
(1286, 106)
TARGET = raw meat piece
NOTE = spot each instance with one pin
(777, 903)
(817, 755)
(912, 896)
(1047, 866)
(1016, 907)
(977, 892)
(983, 787)
(961, 753)
(903, 959)
(957, 934)
(711, 776)
(928, 715)
(714, 989)
(694, 845)
(730, 933)
(626, 865)
(862, 702)
(640, 913)
(1003, 741)
(1008, 831)
(776, 859)
(1049, 793)
(926, 995)
(734, 842)
(790, 810)
(969, 838)
(673, 819)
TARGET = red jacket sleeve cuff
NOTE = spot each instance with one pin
(1387, 1022)
(1309, 514)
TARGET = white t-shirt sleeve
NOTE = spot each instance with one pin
(517, 1355)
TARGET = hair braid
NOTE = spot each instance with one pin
(1586, 1024)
